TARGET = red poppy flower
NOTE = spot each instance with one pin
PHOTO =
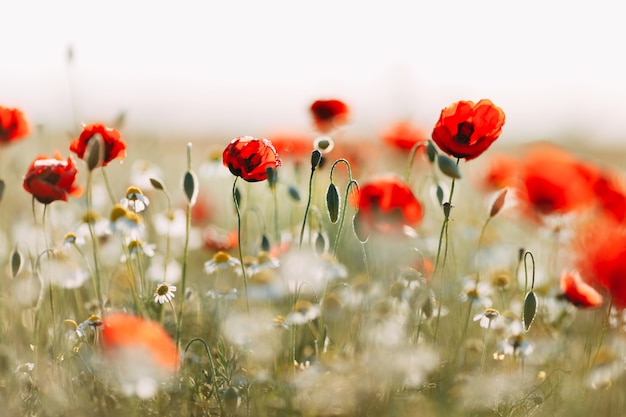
(386, 204)
(51, 179)
(114, 146)
(123, 331)
(578, 292)
(403, 136)
(602, 250)
(329, 114)
(13, 126)
(553, 181)
(466, 130)
(249, 158)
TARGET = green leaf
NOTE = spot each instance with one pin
(332, 202)
(448, 166)
(530, 309)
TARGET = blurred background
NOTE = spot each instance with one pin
(219, 69)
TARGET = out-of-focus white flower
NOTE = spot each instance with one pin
(164, 293)
(141, 171)
(135, 200)
(303, 312)
(221, 260)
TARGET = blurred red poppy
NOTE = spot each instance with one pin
(404, 135)
(466, 130)
(601, 252)
(122, 331)
(329, 114)
(250, 158)
(611, 194)
(387, 204)
(51, 179)
(578, 292)
(292, 145)
(114, 146)
(502, 171)
(13, 125)
(554, 182)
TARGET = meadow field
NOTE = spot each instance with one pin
(417, 271)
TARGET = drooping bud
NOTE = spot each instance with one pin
(530, 309)
(332, 202)
(498, 203)
(16, 262)
(448, 167)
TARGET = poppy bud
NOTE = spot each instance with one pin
(431, 151)
(2, 186)
(448, 167)
(157, 184)
(16, 262)
(316, 158)
(332, 202)
(265, 244)
(293, 193)
(94, 155)
(498, 203)
(530, 309)
(360, 227)
(190, 187)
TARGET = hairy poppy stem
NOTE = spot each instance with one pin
(190, 202)
(605, 326)
(444, 233)
(243, 268)
(351, 183)
(94, 241)
(216, 391)
(308, 205)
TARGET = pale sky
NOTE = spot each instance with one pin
(250, 67)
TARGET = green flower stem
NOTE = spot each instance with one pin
(216, 391)
(351, 183)
(412, 153)
(108, 186)
(243, 268)
(605, 326)
(276, 226)
(179, 323)
(48, 251)
(94, 242)
(484, 354)
(480, 244)
(308, 205)
(443, 234)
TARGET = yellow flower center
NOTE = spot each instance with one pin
(221, 257)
